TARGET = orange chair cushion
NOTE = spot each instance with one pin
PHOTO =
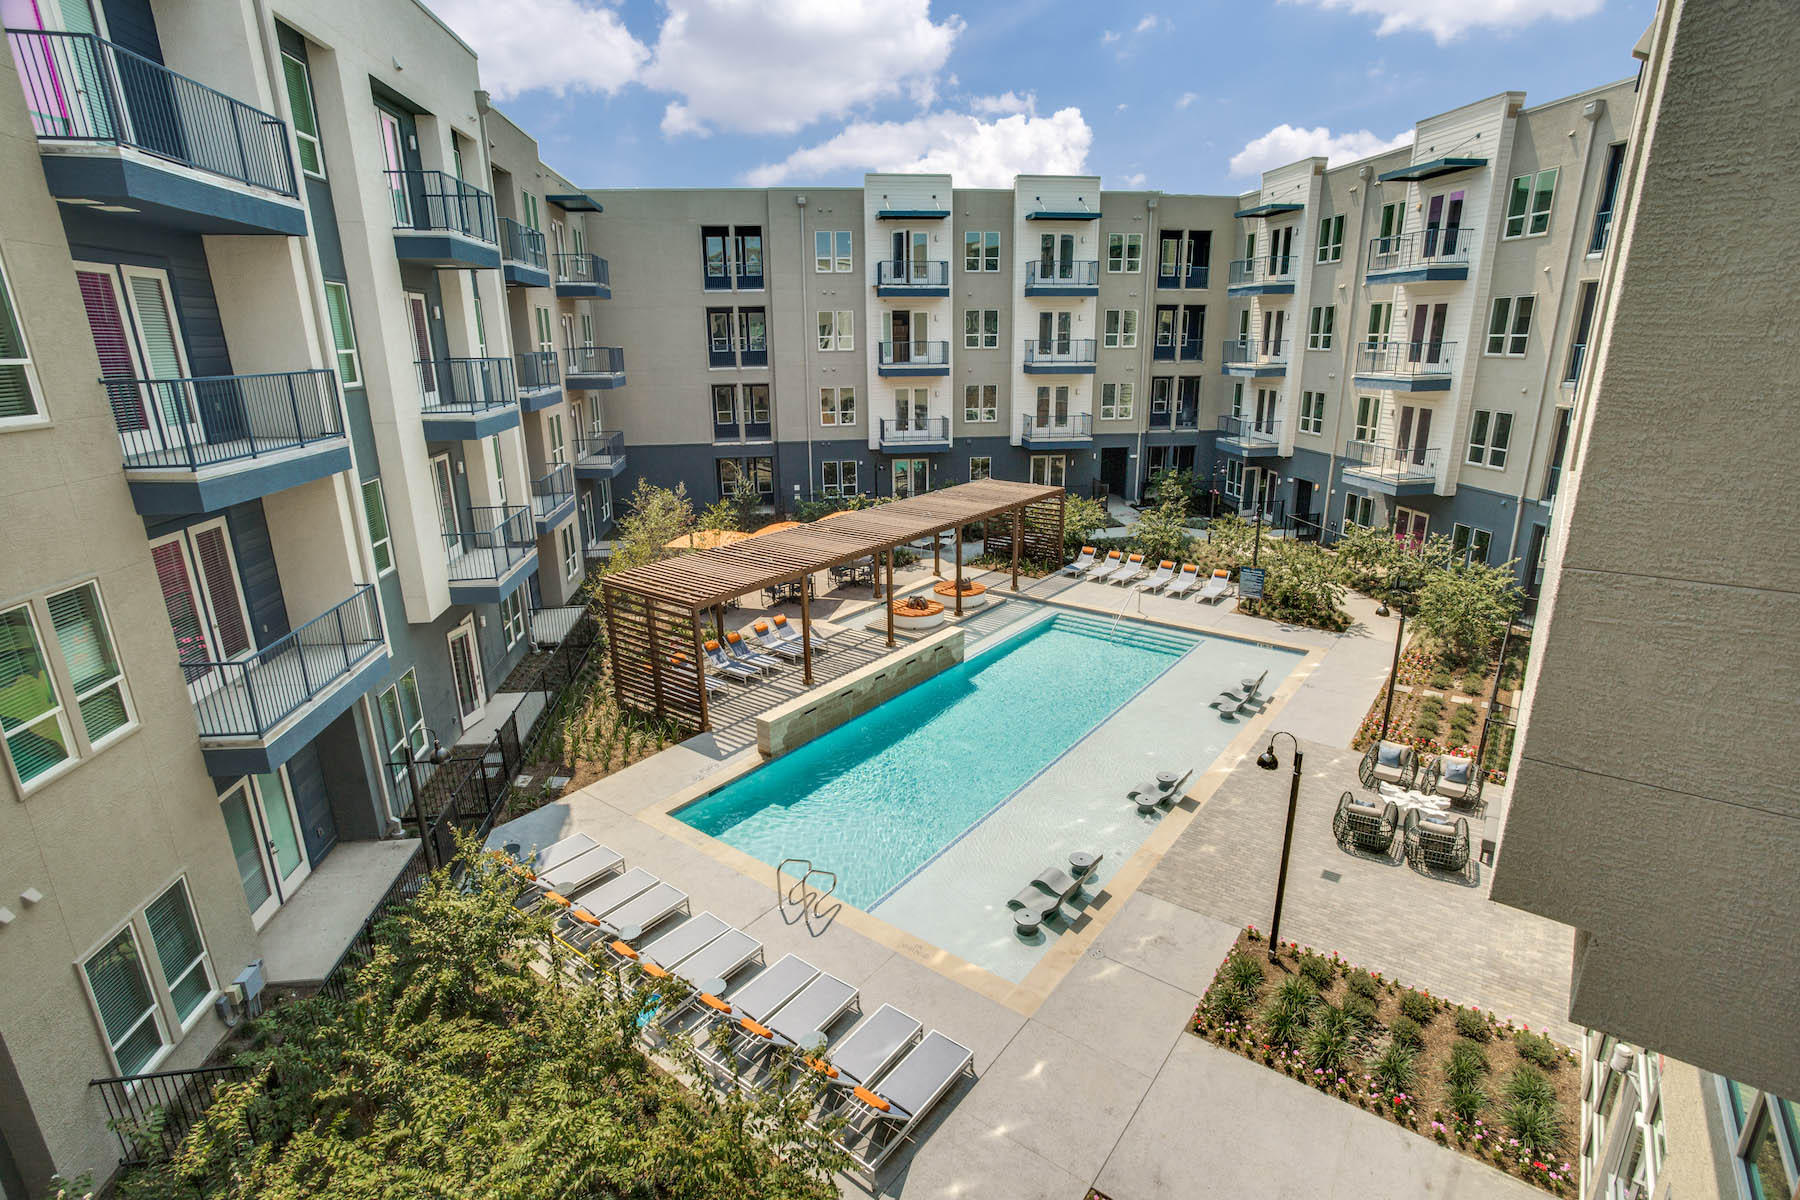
(1221, 573)
(1137, 558)
(761, 1031)
(734, 638)
(1087, 549)
(712, 645)
(652, 970)
(624, 951)
(824, 1068)
(761, 627)
(1165, 564)
(554, 898)
(586, 918)
(781, 620)
(1112, 554)
(712, 1001)
(678, 659)
(870, 1098)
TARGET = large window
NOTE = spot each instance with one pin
(981, 328)
(1368, 415)
(1469, 545)
(179, 951)
(306, 121)
(1318, 332)
(981, 402)
(18, 382)
(1048, 469)
(403, 725)
(837, 478)
(1115, 401)
(53, 717)
(981, 468)
(571, 552)
(137, 1010)
(120, 987)
(837, 330)
(1509, 327)
(1331, 239)
(1121, 328)
(343, 334)
(1528, 208)
(837, 406)
(831, 251)
(1124, 253)
(512, 616)
(1312, 412)
(981, 251)
(1358, 510)
(1609, 195)
(1489, 435)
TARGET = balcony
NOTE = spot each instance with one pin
(553, 497)
(493, 556)
(1059, 356)
(254, 712)
(583, 275)
(1247, 437)
(1174, 275)
(1074, 431)
(1395, 470)
(599, 455)
(1248, 358)
(1068, 278)
(540, 379)
(440, 221)
(461, 399)
(203, 444)
(522, 258)
(1405, 366)
(920, 435)
(1190, 349)
(1264, 275)
(126, 135)
(1425, 256)
(913, 358)
(593, 368)
(924, 278)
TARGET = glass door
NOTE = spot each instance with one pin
(418, 319)
(443, 485)
(393, 152)
(465, 667)
(264, 828)
(250, 852)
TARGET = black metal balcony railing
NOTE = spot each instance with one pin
(553, 489)
(538, 369)
(917, 429)
(1405, 359)
(437, 202)
(465, 385)
(1264, 268)
(247, 697)
(522, 244)
(1418, 249)
(582, 268)
(594, 360)
(1042, 427)
(925, 273)
(1250, 429)
(497, 539)
(1392, 462)
(81, 88)
(1059, 351)
(1070, 273)
(1191, 349)
(600, 446)
(1240, 352)
(197, 422)
(915, 354)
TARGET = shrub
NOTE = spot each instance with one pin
(1405, 1032)
(1472, 1025)
(1464, 608)
(1417, 1006)
(1361, 983)
(1297, 995)
(1467, 1099)
(1528, 1085)
(1361, 1011)
(1082, 518)
(1317, 970)
(1244, 972)
(1331, 1040)
(1228, 1002)
(1536, 1125)
(1467, 1063)
(1439, 679)
(1303, 586)
(1537, 1049)
(1395, 1070)
(1283, 1024)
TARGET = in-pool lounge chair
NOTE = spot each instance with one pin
(1388, 762)
(728, 667)
(1184, 581)
(1110, 565)
(739, 652)
(1152, 794)
(1133, 569)
(1454, 777)
(1045, 895)
(1160, 578)
(869, 1049)
(1082, 562)
(1215, 586)
(1248, 694)
(884, 1114)
(760, 638)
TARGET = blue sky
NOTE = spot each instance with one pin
(1185, 98)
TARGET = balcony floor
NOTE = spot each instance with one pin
(161, 488)
(310, 933)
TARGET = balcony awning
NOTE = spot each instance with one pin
(1062, 214)
(1419, 172)
(575, 202)
(1268, 210)
(911, 214)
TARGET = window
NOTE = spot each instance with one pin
(1368, 415)
(179, 951)
(831, 251)
(1165, 328)
(1312, 412)
(1489, 435)
(1469, 545)
(1331, 239)
(1124, 253)
(1358, 510)
(981, 468)
(512, 616)
(18, 381)
(837, 330)
(37, 702)
(1509, 329)
(1584, 324)
(837, 406)
(120, 989)
(981, 251)
(375, 514)
(981, 402)
(981, 328)
(31, 712)
(343, 335)
(1318, 333)
(1048, 469)
(306, 121)
(571, 552)
(528, 209)
(1609, 195)
(838, 479)
(1528, 210)
(1115, 401)
(1121, 328)
(403, 723)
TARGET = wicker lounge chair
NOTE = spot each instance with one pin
(1389, 762)
(1365, 825)
(1456, 778)
(1435, 843)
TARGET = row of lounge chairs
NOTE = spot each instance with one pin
(880, 1073)
(1045, 895)
(755, 651)
(1167, 578)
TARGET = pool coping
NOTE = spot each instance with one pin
(1025, 996)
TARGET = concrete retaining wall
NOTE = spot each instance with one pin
(823, 709)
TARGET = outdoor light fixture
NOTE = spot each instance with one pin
(1268, 762)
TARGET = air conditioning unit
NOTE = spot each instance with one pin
(247, 988)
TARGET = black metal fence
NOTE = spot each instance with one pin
(151, 1114)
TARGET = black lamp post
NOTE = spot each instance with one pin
(438, 755)
(1268, 762)
(1399, 597)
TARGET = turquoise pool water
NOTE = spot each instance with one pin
(879, 797)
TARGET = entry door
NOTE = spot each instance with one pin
(1043, 407)
(1303, 490)
(910, 256)
(418, 316)
(1053, 332)
(910, 476)
(1409, 527)
(264, 826)
(1281, 245)
(393, 153)
(465, 668)
(1453, 210)
(147, 346)
(1266, 401)
(1426, 340)
(197, 575)
(442, 483)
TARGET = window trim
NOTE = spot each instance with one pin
(34, 390)
(509, 634)
(1507, 312)
(571, 551)
(1123, 401)
(301, 137)
(203, 960)
(169, 1028)
(1331, 239)
(67, 711)
(1494, 438)
(1321, 327)
(1524, 222)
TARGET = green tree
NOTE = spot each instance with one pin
(654, 517)
(1082, 519)
(1465, 608)
(1162, 532)
(736, 511)
(1369, 556)
(1303, 584)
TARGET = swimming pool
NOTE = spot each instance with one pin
(926, 806)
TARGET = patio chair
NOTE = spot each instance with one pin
(666, 952)
(822, 634)
(1153, 794)
(1045, 895)
(1365, 825)
(714, 685)
(1216, 586)
(719, 959)
(1184, 581)
(571, 875)
(758, 637)
(580, 924)
(738, 652)
(1236, 703)
(561, 851)
(728, 667)
(1389, 762)
(887, 1112)
(1133, 569)
(1159, 579)
(1456, 778)
(1112, 564)
(869, 1049)
(762, 995)
(814, 1008)
(1435, 843)
(1082, 562)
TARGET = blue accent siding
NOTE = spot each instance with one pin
(248, 480)
(131, 24)
(318, 825)
(255, 563)
(94, 239)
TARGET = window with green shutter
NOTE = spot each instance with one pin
(179, 951)
(121, 991)
(343, 334)
(306, 120)
(87, 651)
(31, 713)
(375, 512)
(18, 396)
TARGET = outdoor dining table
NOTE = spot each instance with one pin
(1407, 799)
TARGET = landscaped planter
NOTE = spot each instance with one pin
(974, 595)
(915, 613)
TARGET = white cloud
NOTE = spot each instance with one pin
(1285, 144)
(776, 66)
(978, 153)
(1121, 108)
(1446, 20)
(1147, 24)
(1186, 99)
(592, 51)
(1005, 104)
(1134, 180)
(1109, 36)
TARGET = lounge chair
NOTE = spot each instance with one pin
(1113, 562)
(684, 941)
(1082, 562)
(1215, 586)
(1133, 568)
(884, 1114)
(581, 922)
(719, 959)
(869, 1049)
(573, 875)
(759, 638)
(714, 685)
(1454, 777)
(1389, 762)
(1247, 696)
(728, 667)
(822, 634)
(1045, 895)
(1184, 581)
(814, 1008)
(762, 995)
(642, 912)
(1436, 843)
(1153, 794)
(1160, 578)
(1365, 824)
(561, 851)
(739, 652)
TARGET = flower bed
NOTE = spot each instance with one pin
(1447, 721)
(1466, 1079)
(974, 595)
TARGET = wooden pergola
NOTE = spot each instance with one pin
(653, 625)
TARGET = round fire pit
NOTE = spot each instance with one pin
(974, 595)
(916, 613)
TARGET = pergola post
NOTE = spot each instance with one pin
(959, 570)
(1017, 537)
(656, 675)
(890, 595)
(806, 635)
(700, 675)
(937, 557)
